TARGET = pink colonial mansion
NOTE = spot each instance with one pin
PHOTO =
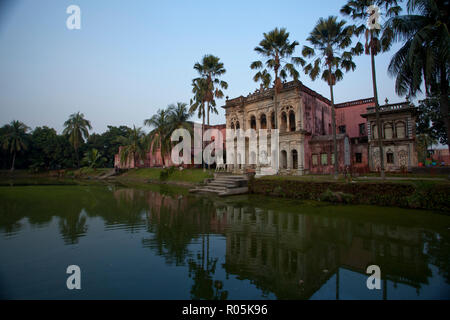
(305, 134)
(306, 139)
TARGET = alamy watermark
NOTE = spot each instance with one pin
(74, 280)
(373, 21)
(243, 147)
(73, 22)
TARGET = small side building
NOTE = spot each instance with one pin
(398, 124)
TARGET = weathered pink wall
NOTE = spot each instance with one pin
(349, 114)
(154, 160)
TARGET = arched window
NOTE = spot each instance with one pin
(292, 121)
(283, 127)
(272, 120)
(253, 122)
(263, 122)
(374, 131)
(388, 131)
(232, 126)
(238, 126)
(401, 130)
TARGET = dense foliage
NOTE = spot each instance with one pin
(47, 150)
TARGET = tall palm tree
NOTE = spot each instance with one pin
(211, 69)
(133, 146)
(330, 38)
(15, 139)
(159, 137)
(359, 11)
(424, 58)
(77, 128)
(199, 89)
(278, 50)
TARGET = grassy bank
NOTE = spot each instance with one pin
(188, 177)
(157, 175)
(429, 195)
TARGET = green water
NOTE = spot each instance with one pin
(158, 243)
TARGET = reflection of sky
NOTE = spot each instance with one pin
(352, 286)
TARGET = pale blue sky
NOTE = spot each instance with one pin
(132, 57)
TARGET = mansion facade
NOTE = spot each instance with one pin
(305, 132)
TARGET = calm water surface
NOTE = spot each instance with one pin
(158, 243)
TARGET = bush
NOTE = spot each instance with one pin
(423, 196)
(166, 173)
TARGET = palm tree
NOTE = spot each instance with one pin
(424, 57)
(179, 117)
(93, 158)
(278, 50)
(15, 139)
(199, 89)
(133, 146)
(211, 69)
(77, 128)
(330, 38)
(159, 137)
(360, 11)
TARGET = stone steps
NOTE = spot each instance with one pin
(224, 185)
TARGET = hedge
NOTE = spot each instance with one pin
(407, 195)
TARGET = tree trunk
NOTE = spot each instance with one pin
(13, 161)
(333, 127)
(444, 104)
(77, 157)
(203, 125)
(377, 112)
(208, 112)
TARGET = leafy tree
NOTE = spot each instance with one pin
(44, 145)
(107, 143)
(429, 120)
(133, 146)
(159, 137)
(423, 141)
(278, 50)
(77, 129)
(211, 69)
(329, 39)
(14, 139)
(424, 58)
(360, 11)
(93, 159)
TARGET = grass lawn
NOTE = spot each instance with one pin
(186, 175)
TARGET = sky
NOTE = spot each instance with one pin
(131, 58)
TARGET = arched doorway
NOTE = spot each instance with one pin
(294, 159)
(283, 159)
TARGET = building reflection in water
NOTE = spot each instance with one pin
(292, 255)
(291, 252)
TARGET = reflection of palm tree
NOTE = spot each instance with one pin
(72, 228)
(201, 271)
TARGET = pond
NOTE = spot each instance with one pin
(160, 243)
